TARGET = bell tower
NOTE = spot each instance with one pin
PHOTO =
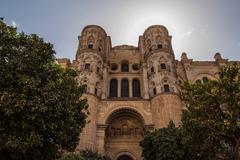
(93, 49)
(91, 62)
(159, 75)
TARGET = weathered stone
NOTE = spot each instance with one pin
(116, 124)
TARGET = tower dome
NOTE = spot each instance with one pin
(156, 37)
(93, 38)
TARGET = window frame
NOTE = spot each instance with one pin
(113, 90)
(166, 88)
(136, 88)
(163, 66)
(124, 66)
(124, 88)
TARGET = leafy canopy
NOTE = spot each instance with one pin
(210, 122)
(85, 155)
(163, 144)
(40, 107)
(211, 118)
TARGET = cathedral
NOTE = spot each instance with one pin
(131, 89)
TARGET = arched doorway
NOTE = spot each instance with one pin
(125, 124)
(124, 157)
(125, 128)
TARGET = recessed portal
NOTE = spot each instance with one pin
(124, 132)
(125, 125)
(124, 157)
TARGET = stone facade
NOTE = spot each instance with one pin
(131, 89)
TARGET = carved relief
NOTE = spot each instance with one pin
(125, 127)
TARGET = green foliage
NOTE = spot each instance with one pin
(40, 109)
(84, 155)
(211, 119)
(91, 155)
(163, 144)
(210, 123)
(72, 156)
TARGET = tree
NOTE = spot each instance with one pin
(164, 144)
(211, 118)
(40, 107)
(92, 155)
(71, 156)
(84, 155)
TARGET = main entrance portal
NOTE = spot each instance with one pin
(124, 132)
(124, 157)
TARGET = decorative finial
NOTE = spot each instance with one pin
(184, 56)
(217, 56)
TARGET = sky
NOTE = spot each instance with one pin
(198, 27)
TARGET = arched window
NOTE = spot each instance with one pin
(180, 82)
(90, 42)
(124, 88)
(205, 79)
(98, 69)
(124, 66)
(85, 88)
(113, 88)
(90, 46)
(97, 89)
(136, 88)
(166, 88)
(159, 46)
(198, 81)
(90, 39)
(114, 66)
(152, 69)
(163, 66)
(87, 66)
(154, 91)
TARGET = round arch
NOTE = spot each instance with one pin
(137, 107)
(124, 110)
(125, 153)
(203, 74)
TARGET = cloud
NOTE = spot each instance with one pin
(238, 43)
(188, 33)
(14, 24)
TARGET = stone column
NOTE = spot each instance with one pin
(105, 82)
(157, 83)
(88, 135)
(130, 88)
(119, 87)
(145, 82)
(101, 138)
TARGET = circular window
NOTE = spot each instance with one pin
(114, 66)
(135, 67)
